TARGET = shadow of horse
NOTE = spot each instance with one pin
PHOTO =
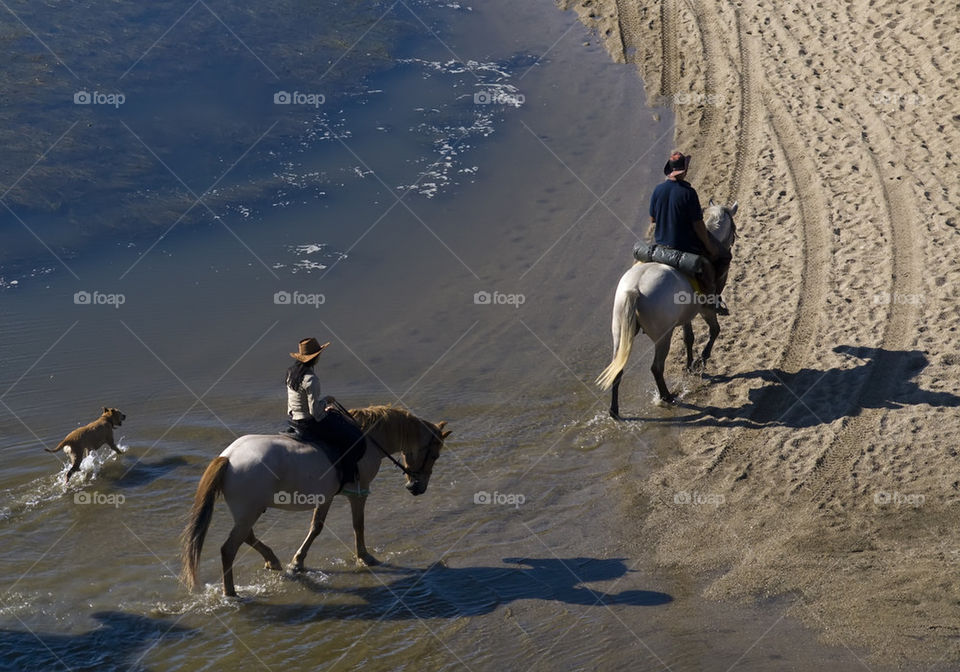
(118, 643)
(445, 592)
(811, 397)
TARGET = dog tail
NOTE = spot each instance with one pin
(59, 446)
(211, 485)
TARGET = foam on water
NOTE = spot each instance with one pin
(310, 255)
(469, 115)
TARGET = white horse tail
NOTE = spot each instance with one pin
(624, 323)
(211, 485)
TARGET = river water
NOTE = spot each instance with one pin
(452, 216)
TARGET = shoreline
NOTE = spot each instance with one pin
(837, 378)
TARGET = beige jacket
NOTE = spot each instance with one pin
(306, 402)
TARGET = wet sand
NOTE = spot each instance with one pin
(830, 424)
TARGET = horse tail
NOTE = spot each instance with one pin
(211, 485)
(625, 318)
(59, 446)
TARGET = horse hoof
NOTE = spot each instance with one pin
(367, 561)
(616, 416)
(275, 566)
(295, 567)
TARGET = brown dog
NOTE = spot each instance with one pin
(90, 437)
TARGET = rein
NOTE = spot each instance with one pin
(375, 442)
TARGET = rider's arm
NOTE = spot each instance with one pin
(315, 400)
(651, 228)
(701, 230)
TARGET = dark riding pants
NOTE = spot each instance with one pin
(340, 432)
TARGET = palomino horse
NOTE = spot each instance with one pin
(260, 471)
(657, 298)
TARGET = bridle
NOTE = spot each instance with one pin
(411, 473)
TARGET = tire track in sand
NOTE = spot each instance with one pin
(669, 56)
(711, 61)
(749, 121)
(887, 369)
(805, 182)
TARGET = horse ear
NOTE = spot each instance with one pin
(711, 202)
(441, 424)
(446, 434)
(733, 208)
(105, 409)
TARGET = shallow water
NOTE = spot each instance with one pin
(552, 572)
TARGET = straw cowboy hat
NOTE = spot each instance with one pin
(310, 349)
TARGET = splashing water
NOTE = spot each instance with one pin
(49, 488)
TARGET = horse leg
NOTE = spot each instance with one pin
(357, 503)
(688, 344)
(659, 360)
(228, 552)
(271, 561)
(615, 397)
(316, 526)
(714, 324)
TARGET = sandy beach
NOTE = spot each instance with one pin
(828, 421)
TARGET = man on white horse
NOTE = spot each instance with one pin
(319, 419)
(677, 218)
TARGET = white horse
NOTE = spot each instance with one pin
(657, 298)
(257, 472)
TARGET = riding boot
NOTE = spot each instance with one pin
(708, 280)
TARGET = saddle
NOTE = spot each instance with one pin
(688, 263)
(332, 452)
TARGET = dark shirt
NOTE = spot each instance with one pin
(675, 208)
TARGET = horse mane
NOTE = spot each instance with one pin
(713, 215)
(398, 424)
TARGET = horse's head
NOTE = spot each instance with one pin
(719, 222)
(419, 456)
(418, 441)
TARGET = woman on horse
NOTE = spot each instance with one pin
(317, 418)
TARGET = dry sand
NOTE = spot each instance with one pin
(831, 426)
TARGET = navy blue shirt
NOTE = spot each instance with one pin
(675, 207)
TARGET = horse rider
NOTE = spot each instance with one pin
(677, 218)
(317, 418)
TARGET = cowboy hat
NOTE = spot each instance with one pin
(677, 164)
(310, 349)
